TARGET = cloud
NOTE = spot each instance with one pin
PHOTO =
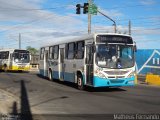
(146, 31)
(112, 13)
(147, 2)
(33, 23)
(39, 26)
(72, 7)
(38, 35)
(30, 12)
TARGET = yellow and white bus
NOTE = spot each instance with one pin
(14, 60)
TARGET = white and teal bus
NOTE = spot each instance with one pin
(14, 60)
(97, 60)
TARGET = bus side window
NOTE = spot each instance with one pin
(4, 55)
(66, 51)
(56, 51)
(42, 53)
(71, 50)
(80, 50)
(50, 52)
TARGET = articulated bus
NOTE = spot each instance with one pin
(14, 60)
(96, 60)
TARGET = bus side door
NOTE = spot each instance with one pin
(62, 70)
(46, 63)
(11, 61)
(89, 64)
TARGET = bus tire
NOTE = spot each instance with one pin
(80, 83)
(5, 68)
(50, 75)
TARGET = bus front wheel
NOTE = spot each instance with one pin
(5, 68)
(80, 82)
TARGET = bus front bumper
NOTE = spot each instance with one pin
(21, 68)
(103, 82)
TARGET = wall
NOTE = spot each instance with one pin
(148, 61)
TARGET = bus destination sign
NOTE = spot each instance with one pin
(114, 39)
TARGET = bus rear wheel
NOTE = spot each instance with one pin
(80, 83)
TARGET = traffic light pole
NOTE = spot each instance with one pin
(114, 23)
(89, 20)
(129, 27)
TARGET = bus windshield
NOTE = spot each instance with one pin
(115, 56)
(21, 56)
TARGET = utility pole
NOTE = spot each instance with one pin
(89, 19)
(114, 23)
(129, 27)
(19, 40)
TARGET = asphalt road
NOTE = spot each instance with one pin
(43, 99)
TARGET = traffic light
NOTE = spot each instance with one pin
(78, 9)
(85, 8)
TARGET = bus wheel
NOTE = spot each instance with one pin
(80, 83)
(5, 68)
(50, 75)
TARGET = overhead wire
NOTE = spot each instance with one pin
(58, 7)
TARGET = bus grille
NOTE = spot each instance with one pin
(116, 81)
(116, 72)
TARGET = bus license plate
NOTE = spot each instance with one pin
(21, 67)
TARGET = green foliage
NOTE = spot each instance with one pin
(32, 50)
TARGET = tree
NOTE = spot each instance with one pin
(32, 50)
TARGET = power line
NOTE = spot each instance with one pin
(142, 41)
(37, 40)
(135, 19)
(140, 18)
(50, 8)
(126, 6)
(145, 29)
(28, 9)
(28, 22)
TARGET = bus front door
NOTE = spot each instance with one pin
(46, 63)
(61, 71)
(89, 64)
(11, 61)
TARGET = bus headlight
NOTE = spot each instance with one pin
(101, 75)
(131, 82)
(132, 74)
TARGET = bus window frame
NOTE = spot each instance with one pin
(71, 51)
(80, 50)
(4, 55)
(51, 52)
(42, 53)
(55, 52)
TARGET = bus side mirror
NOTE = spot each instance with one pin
(135, 48)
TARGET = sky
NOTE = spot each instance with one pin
(42, 21)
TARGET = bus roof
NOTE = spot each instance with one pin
(79, 38)
(11, 49)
